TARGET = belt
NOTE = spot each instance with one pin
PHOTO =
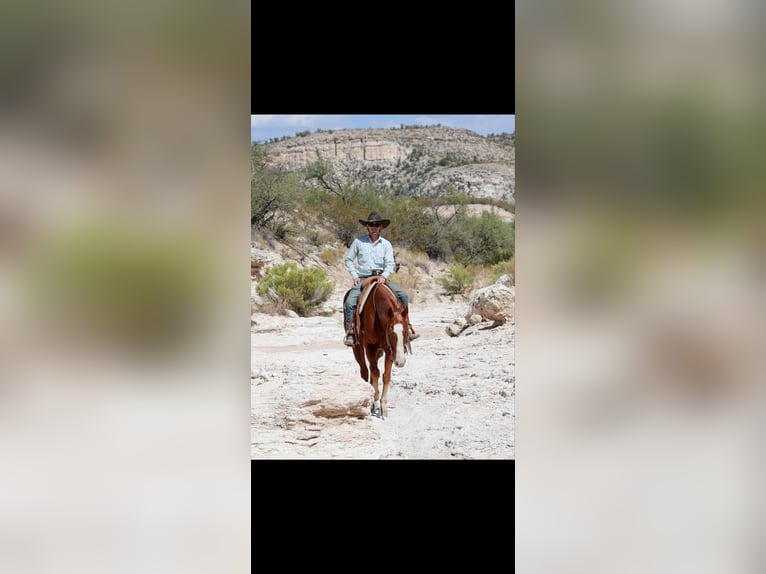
(375, 272)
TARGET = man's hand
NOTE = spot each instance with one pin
(355, 281)
(381, 279)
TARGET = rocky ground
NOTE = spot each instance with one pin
(454, 398)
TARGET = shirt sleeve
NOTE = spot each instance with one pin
(348, 262)
(389, 257)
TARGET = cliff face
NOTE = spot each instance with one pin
(415, 161)
(340, 146)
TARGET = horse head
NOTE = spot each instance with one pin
(396, 333)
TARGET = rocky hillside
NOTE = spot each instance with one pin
(411, 161)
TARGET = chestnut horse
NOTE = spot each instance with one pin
(382, 328)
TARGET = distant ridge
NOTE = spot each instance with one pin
(422, 161)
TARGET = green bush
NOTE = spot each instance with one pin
(492, 240)
(342, 219)
(438, 226)
(273, 191)
(301, 290)
(410, 222)
(457, 281)
(331, 255)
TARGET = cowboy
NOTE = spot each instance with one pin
(375, 257)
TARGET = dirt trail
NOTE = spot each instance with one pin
(454, 399)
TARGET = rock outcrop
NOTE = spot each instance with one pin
(411, 161)
(493, 303)
(260, 260)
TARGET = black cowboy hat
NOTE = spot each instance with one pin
(375, 218)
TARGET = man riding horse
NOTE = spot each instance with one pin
(375, 258)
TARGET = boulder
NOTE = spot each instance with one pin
(458, 326)
(493, 303)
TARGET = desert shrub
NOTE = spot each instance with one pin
(282, 227)
(424, 266)
(341, 214)
(317, 238)
(301, 290)
(273, 191)
(412, 262)
(457, 281)
(482, 275)
(504, 268)
(343, 220)
(410, 228)
(406, 279)
(491, 240)
(439, 227)
(330, 256)
(460, 242)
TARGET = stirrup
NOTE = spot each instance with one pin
(413, 336)
(348, 340)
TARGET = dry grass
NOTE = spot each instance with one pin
(268, 307)
(482, 275)
(504, 268)
(413, 273)
(406, 279)
(413, 260)
(332, 255)
(318, 238)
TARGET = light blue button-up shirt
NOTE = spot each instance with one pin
(369, 257)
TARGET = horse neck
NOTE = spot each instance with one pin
(383, 299)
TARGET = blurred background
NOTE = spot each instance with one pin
(124, 287)
(640, 275)
(641, 234)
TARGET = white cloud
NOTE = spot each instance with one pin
(291, 120)
(298, 120)
(260, 121)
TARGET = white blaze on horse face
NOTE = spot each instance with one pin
(399, 357)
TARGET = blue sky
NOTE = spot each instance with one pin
(263, 127)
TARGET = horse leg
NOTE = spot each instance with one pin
(372, 357)
(359, 356)
(386, 382)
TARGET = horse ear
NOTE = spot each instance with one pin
(390, 312)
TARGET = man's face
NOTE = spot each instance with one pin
(374, 230)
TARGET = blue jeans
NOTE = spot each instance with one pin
(353, 299)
